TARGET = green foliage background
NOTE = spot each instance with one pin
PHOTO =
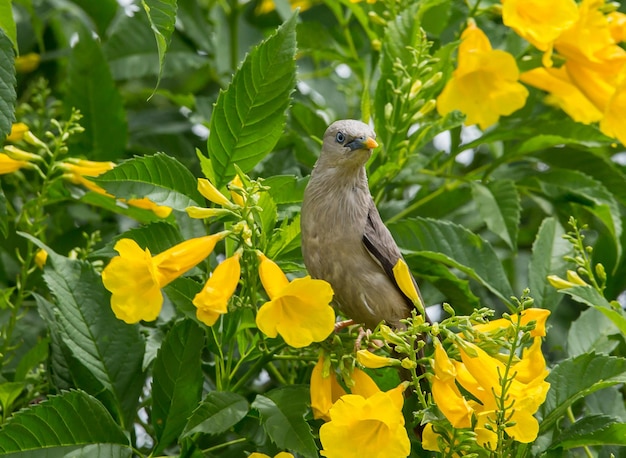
(479, 219)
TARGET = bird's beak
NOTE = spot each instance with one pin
(362, 143)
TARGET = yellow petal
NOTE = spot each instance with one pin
(325, 389)
(430, 438)
(17, 132)
(175, 261)
(40, 258)
(131, 278)
(373, 361)
(363, 385)
(451, 403)
(444, 369)
(272, 278)
(237, 198)
(160, 210)
(8, 165)
(211, 193)
(538, 21)
(403, 277)
(212, 301)
(27, 63)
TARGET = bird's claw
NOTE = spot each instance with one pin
(343, 324)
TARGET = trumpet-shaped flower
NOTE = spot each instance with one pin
(373, 361)
(539, 316)
(212, 301)
(538, 21)
(9, 165)
(18, 130)
(485, 84)
(263, 455)
(77, 170)
(372, 427)
(407, 285)
(325, 388)
(299, 310)
(135, 277)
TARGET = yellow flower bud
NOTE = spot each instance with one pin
(408, 364)
(573, 277)
(211, 193)
(19, 154)
(17, 132)
(27, 63)
(558, 283)
(373, 361)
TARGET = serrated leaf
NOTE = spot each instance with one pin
(499, 205)
(93, 92)
(161, 178)
(592, 430)
(285, 238)
(7, 23)
(106, 352)
(591, 297)
(548, 251)
(286, 189)
(282, 416)
(249, 115)
(162, 17)
(590, 333)
(575, 378)
(8, 96)
(65, 421)
(454, 246)
(576, 187)
(177, 381)
(218, 412)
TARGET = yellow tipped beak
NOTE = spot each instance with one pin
(370, 143)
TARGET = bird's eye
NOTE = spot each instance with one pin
(340, 137)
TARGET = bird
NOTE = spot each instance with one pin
(344, 240)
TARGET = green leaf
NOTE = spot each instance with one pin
(454, 246)
(101, 12)
(455, 289)
(286, 189)
(4, 215)
(60, 425)
(218, 412)
(93, 92)
(36, 355)
(546, 259)
(162, 17)
(575, 378)
(9, 392)
(8, 96)
(592, 430)
(499, 205)
(591, 297)
(161, 178)
(590, 333)
(576, 187)
(177, 381)
(103, 354)
(249, 115)
(282, 416)
(286, 238)
(7, 23)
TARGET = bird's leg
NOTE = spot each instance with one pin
(343, 324)
(362, 334)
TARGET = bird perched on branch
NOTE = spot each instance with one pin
(344, 240)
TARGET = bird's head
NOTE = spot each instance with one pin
(348, 143)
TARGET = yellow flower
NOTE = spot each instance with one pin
(27, 63)
(373, 361)
(263, 455)
(563, 93)
(299, 310)
(403, 277)
(40, 258)
(78, 169)
(540, 316)
(485, 84)
(17, 132)
(211, 193)
(617, 26)
(212, 301)
(135, 277)
(237, 198)
(538, 21)
(267, 6)
(8, 165)
(372, 427)
(325, 388)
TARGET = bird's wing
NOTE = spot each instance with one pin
(382, 247)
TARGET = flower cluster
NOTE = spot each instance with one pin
(590, 85)
(492, 394)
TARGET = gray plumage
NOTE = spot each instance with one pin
(344, 240)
